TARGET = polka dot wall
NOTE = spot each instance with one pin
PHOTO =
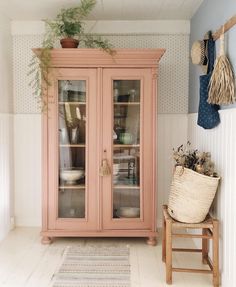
(24, 101)
(173, 76)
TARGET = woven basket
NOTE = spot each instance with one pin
(191, 195)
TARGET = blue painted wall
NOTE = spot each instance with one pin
(210, 16)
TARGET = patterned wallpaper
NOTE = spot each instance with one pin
(173, 77)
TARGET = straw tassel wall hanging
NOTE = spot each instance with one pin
(222, 82)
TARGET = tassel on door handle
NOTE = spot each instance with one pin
(105, 168)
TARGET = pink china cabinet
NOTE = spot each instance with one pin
(99, 144)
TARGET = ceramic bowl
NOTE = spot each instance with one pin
(71, 175)
(129, 212)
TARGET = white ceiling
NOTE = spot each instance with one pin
(104, 10)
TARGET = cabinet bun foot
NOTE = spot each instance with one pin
(152, 241)
(46, 240)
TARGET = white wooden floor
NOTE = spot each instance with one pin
(25, 262)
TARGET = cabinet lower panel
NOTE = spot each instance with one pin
(111, 233)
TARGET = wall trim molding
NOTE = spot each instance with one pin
(111, 27)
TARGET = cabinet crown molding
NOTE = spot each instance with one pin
(97, 58)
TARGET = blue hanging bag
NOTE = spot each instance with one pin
(208, 115)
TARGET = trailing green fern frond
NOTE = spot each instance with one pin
(92, 41)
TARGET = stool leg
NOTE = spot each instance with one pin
(215, 244)
(168, 251)
(163, 239)
(205, 247)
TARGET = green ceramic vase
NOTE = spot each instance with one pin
(126, 138)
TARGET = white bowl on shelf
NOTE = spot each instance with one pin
(71, 175)
(129, 212)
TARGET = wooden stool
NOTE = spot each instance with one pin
(210, 230)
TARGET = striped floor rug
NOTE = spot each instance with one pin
(92, 266)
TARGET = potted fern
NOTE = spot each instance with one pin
(68, 28)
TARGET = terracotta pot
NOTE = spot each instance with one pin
(69, 43)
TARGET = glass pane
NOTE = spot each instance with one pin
(126, 91)
(72, 148)
(72, 91)
(126, 203)
(126, 166)
(126, 149)
(71, 203)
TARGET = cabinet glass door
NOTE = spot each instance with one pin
(72, 148)
(127, 142)
(72, 155)
(126, 149)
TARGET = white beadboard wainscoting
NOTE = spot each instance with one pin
(221, 142)
(6, 173)
(27, 152)
(172, 131)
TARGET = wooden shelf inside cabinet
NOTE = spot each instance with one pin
(126, 145)
(127, 103)
(126, 187)
(72, 187)
(72, 145)
(72, 103)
